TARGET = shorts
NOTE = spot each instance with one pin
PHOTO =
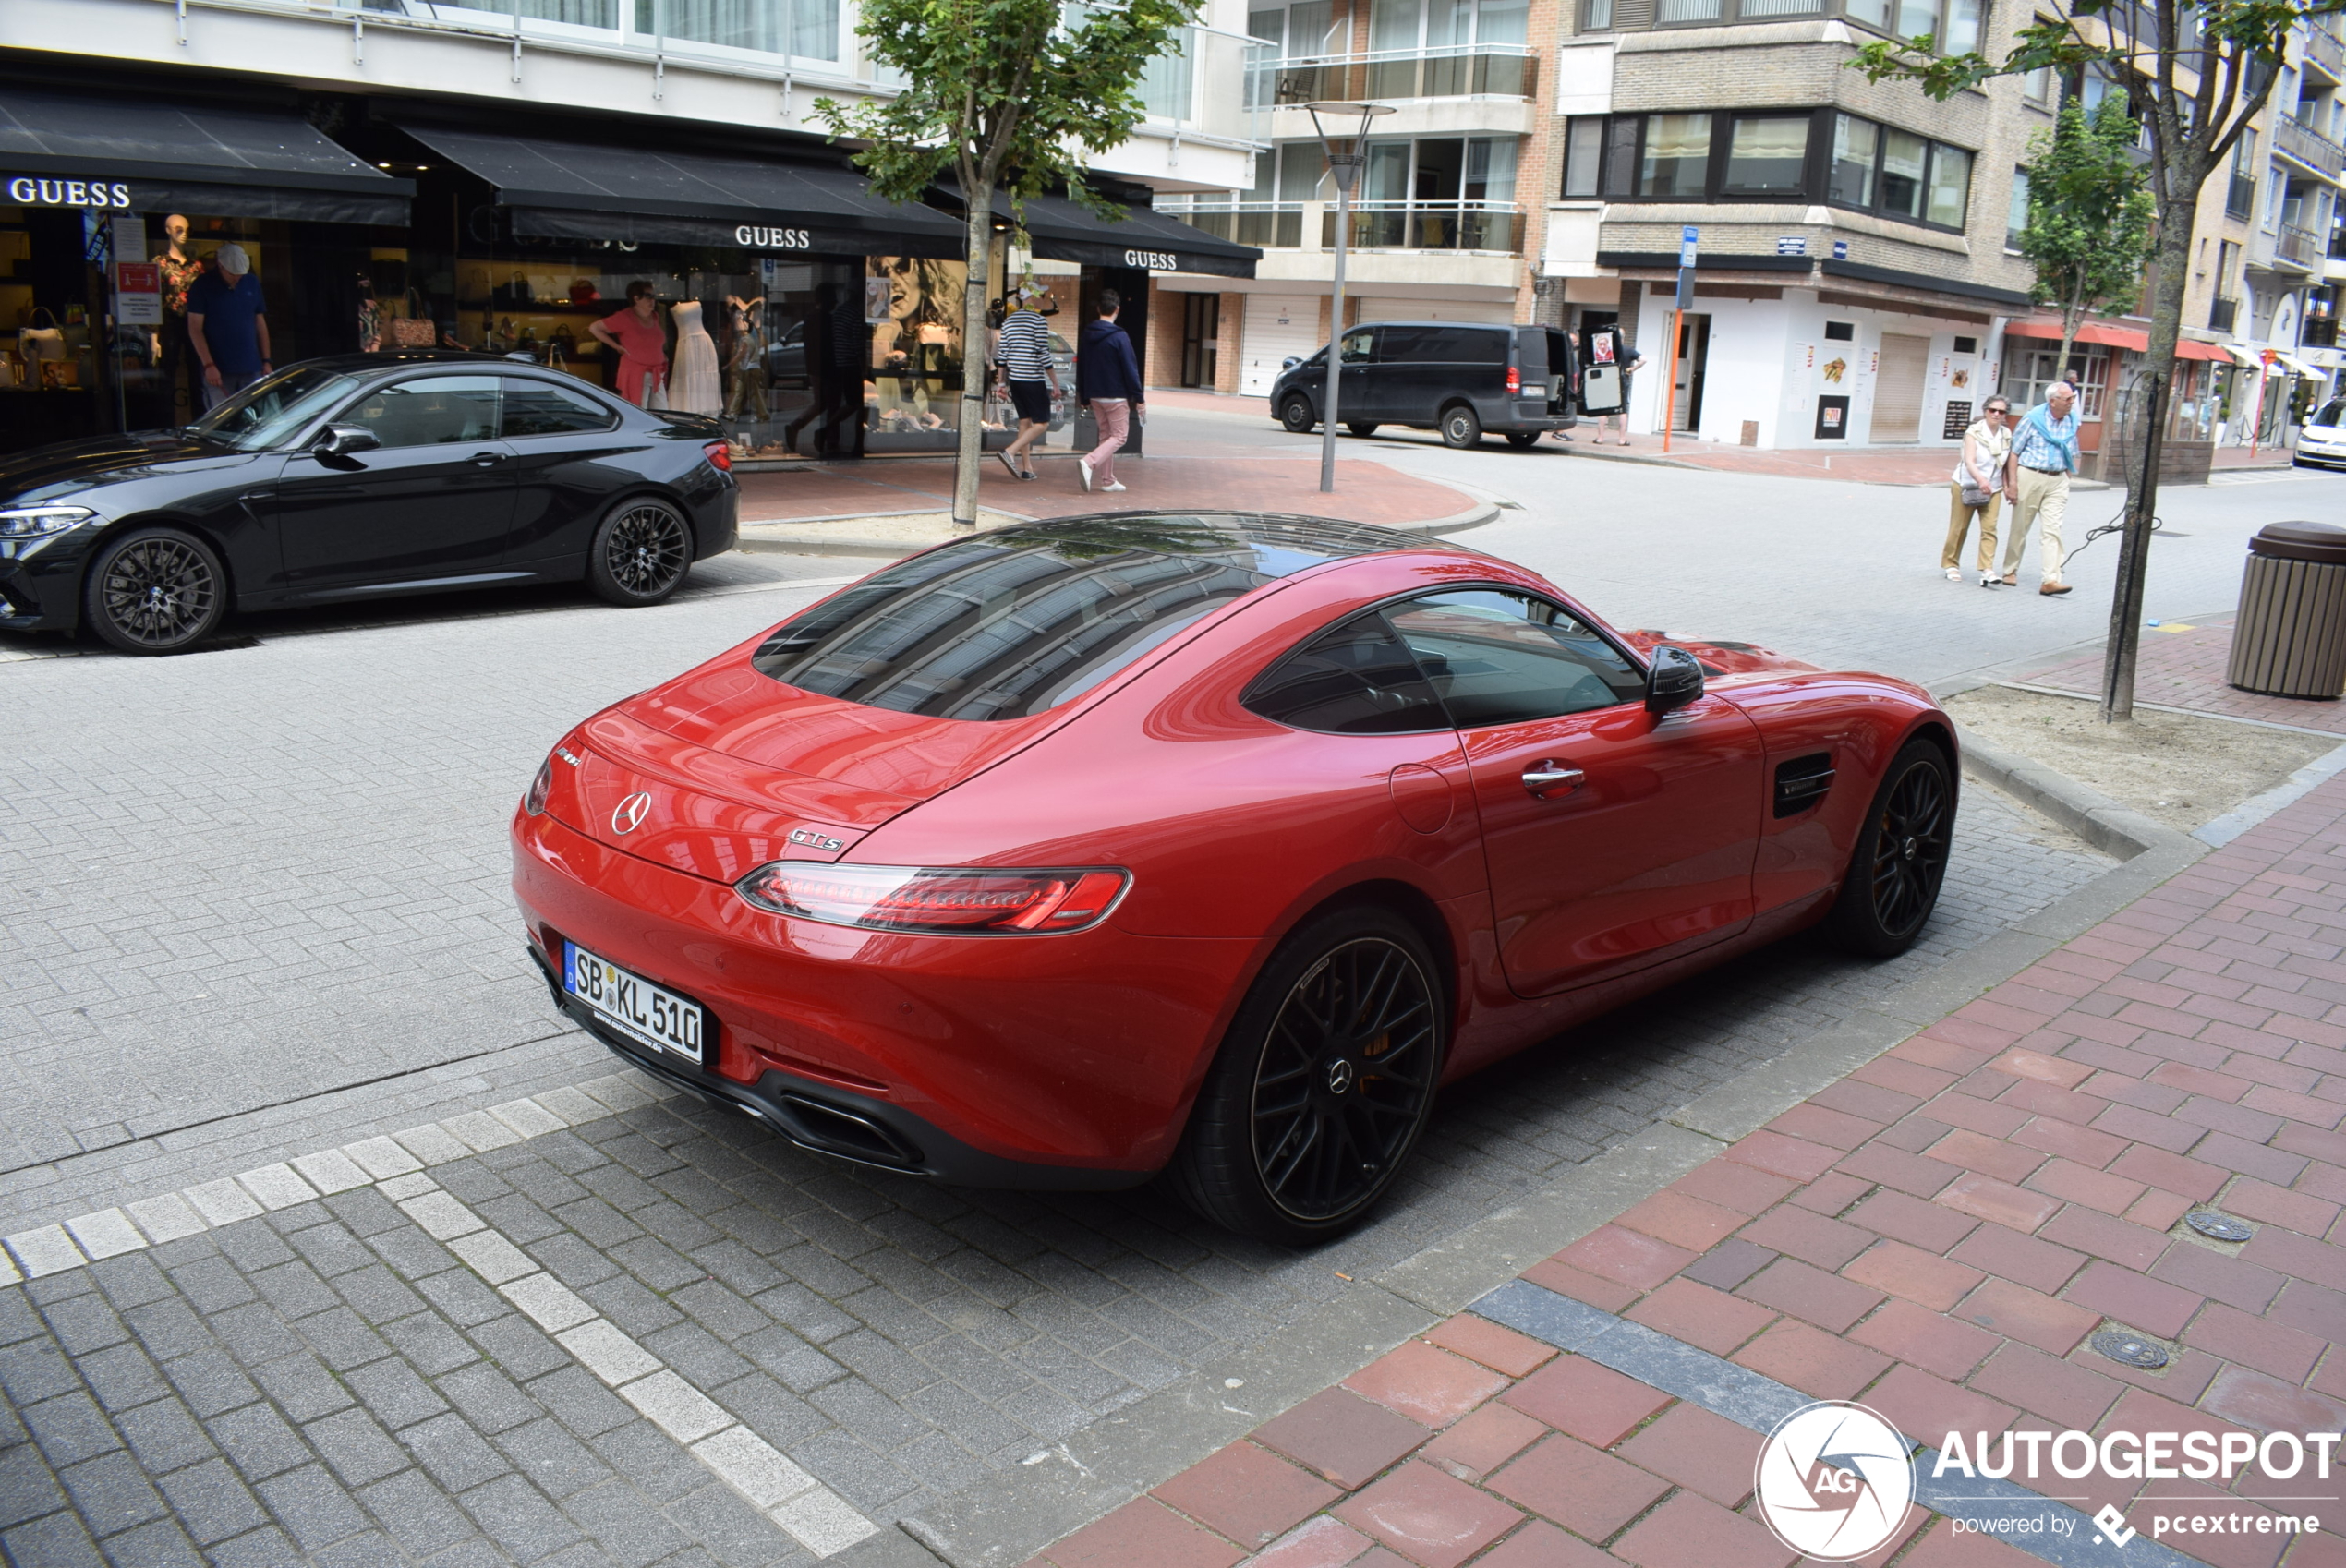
(1032, 401)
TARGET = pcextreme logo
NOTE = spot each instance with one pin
(1834, 1481)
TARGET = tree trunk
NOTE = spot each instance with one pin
(979, 245)
(2174, 261)
(2069, 314)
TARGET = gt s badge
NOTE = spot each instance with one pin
(631, 812)
(815, 840)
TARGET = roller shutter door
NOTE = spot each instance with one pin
(1277, 326)
(1898, 392)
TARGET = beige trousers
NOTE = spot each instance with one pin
(2044, 499)
(1959, 518)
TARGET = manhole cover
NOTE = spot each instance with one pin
(2218, 1227)
(2130, 1350)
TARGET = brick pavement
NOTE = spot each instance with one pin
(1937, 1235)
(2186, 670)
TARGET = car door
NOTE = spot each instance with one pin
(1403, 395)
(1614, 840)
(432, 503)
(1356, 399)
(569, 462)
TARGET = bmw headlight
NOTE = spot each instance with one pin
(40, 522)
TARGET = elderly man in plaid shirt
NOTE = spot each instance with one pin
(2044, 454)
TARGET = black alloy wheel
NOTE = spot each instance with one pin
(640, 553)
(1323, 1085)
(155, 591)
(1297, 416)
(1901, 859)
(1461, 427)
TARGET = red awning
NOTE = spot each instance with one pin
(2111, 336)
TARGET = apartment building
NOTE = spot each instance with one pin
(405, 172)
(1448, 206)
(2285, 192)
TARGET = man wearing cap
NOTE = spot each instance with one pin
(228, 325)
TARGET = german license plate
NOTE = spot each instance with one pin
(633, 1005)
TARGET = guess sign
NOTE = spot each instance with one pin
(26, 190)
(756, 237)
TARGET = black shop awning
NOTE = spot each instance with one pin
(129, 154)
(1069, 231)
(573, 190)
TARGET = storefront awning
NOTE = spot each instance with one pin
(2286, 364)
(2110, 335)
(1069, 231)
(124, 154)
(572, 190)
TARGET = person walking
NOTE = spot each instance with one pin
(2044, 454)
(228, 325)
(1022, 368)
(1976, 491)
(1107, 381)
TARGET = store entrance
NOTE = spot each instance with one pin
(1200, 335)
(1694, 351)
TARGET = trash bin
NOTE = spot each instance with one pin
(2290, 638)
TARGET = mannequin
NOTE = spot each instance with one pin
(695, 388)
(172, 354)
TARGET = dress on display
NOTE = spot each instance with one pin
(697, 388)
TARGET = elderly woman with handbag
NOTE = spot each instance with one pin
(1977, 489)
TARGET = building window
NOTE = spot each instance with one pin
(1597, 17)
(1966, 25)
(1897, 173)
(2240, 196)
(1856, 146)
(1904, 156)
(2017, 215)
(1767, 155)
(1841, 332)
(1954, 26)
(1688, 11)
(1949, 185)
(1583, 157)
(1677, 154)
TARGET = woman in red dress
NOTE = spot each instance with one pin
(637, 336)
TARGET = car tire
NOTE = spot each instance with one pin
(1296, 415)
(642, 550)
(1363, 431)
(1900, 859)
(1461, 427)
(154, 591)
(1523, 441)
(1301, 1172)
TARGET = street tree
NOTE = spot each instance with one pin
(2194, 73)
(2089, 215)
(1009, 96)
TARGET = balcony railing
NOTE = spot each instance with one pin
(2221, 314)
(2319, 332)
(2301, 247)
(1376, 225)
(2308, 146)
(1269, 225)
(1483, 71)
(2325, 49)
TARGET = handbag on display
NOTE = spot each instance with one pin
(516, 291)
(584, 292)
(415, 330)
(37, 343)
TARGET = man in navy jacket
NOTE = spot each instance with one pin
(1107, 381)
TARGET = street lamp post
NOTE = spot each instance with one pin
(1346, 144)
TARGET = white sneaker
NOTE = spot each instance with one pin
(1113, 488)
(1955, 574)
(1084, 471)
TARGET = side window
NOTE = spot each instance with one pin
(541, 408)
(1354, 679)
(1359, 344)
(429, 411)
(1496, 656)
(1469, 345)
(1407, 345)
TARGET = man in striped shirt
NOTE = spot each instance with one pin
(1023, 364)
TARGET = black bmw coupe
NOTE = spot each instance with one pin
(359, 477)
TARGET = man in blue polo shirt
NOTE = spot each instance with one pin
(228, 325)
(2044, 454)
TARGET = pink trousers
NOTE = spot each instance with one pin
(1115, 417)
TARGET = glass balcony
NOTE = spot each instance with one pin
(1407, 226)
(1205, 86)
(2302, 247)
(2308, 146)
(1482, 70)
(2325, 51)
(1268, 225)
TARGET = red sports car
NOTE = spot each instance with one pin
(1068, 854)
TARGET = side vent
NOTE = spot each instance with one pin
(1802, 782)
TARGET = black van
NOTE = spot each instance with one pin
(1461, 378)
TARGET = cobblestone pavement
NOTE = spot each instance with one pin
(263, 913)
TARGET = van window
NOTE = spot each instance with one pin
(1445, 345)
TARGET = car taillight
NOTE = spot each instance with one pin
(978, 901)
(1514, 381)
(720, 456)
(534, 802)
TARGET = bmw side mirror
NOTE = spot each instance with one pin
(1290, 362)
(1672, 680)
(341, 440)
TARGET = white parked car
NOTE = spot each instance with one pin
(2321, 442)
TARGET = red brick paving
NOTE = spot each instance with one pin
(1937, 1237)
(2187, 670)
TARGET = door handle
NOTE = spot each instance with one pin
(486, 459)
(1549, 775)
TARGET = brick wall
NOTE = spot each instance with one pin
(1537, 171)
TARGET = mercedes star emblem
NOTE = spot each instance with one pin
(631, 812)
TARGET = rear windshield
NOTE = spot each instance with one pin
(1012, 623)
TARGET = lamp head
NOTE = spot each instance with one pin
(1343, 134)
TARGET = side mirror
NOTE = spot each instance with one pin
(1675, 679)
(1290, 362)
(341, 440)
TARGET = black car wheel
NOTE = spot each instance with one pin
(1362, 429)
(1523, 441)
(1323, 1084)
(155, 591)
(1900, 858)
(1461, 427)
(640, 553)
(1296, 415)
